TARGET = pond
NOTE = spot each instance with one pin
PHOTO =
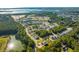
(14, 45)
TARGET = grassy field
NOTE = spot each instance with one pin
(3, 43)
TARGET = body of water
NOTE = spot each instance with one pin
(34, 10)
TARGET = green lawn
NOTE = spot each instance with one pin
(3, 43)
(70, 50)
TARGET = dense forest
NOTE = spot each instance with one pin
(7, 25)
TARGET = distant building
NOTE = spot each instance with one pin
(17, 17)
(54, 36)
(36, 17)
(66, 31)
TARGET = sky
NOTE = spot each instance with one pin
(38, 3)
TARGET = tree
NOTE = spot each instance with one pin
(24, 38)
(43, 33)
(7, 25)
